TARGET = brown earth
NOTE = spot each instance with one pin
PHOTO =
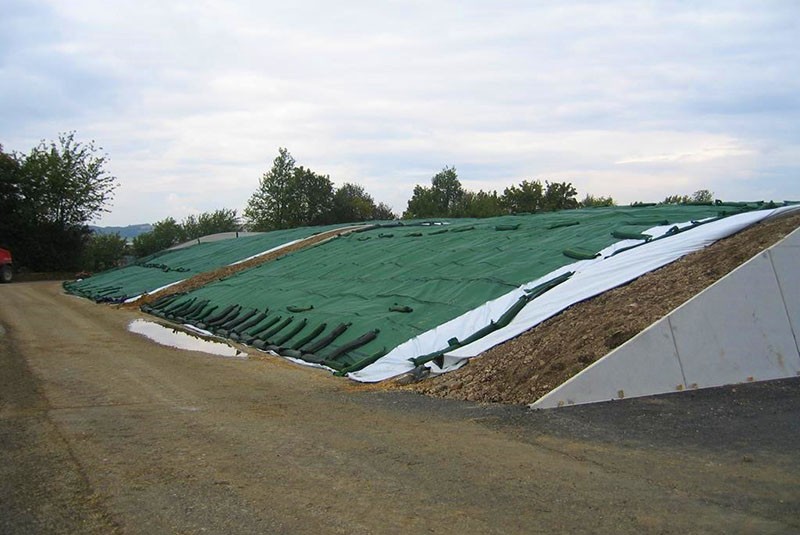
(530, 365)
(103, 431)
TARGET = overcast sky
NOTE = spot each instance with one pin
(191, 100)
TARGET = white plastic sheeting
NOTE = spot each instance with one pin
(591, 278)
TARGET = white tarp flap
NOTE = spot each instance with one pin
(268, 251)
(591, 278)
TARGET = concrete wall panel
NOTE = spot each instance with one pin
(647, 366)
(786, 261)
(736, 330)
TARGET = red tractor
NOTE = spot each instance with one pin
(6, 273)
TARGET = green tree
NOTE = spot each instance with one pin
(311, 199)
(165, 234)
(479, 204)
(223, 220)
(701, 196)
(10, 199)
(559, 196)
(48, 196)
(442, 199)
(528, 197)
(447, 190)
(66, 182)
(590, 201)
(104, 251)
(351, 203)
(383, 212)
(269, 207)
(422, 204)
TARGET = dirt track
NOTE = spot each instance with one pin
(103, 431)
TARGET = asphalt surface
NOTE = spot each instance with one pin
(103, 431)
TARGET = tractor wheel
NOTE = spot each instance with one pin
(5, 273)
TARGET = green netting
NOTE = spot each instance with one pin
(171, 266)
(403, 281)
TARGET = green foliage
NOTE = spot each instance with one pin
(422, 204)
(701, 196)
(165, 234)
(311, 197)
(46, 199)
(590, 201)
(10, 199)
(65, 183)
(559, 196)
(351, 203)
(480, 204)
(383, 212)
(444, 198)
(104, 251)
(269, 207)
(289, 196)
(527, 197)
(223, 220)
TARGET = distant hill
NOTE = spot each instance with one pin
(129, 232)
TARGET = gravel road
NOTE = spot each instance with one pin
(104, 431)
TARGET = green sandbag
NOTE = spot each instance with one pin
(238, 320)
(266, 335)
(327, 340)
(252, 323)
(310, 336)
(296, 309)
(351, 345)
(228, 317)
(225, 311)
(291, 333)
(580, 254)
(258, 329)
(626, 235)
(565, 224)
(363, 363)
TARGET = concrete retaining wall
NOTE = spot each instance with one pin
(743, 328)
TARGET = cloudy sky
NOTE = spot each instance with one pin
(191, 100)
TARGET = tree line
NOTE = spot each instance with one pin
(49, 195)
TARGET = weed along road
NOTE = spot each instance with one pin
(104, 431)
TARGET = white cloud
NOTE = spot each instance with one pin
(192, 99)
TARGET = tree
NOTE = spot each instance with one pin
(559, 196)
(480, 204)
(422, 204)
(47, 198)
(442, 199)
(311, 198)
(269, 206)
(223, 220)
(383, 212)
(701, 196)
(352, 203)
(165, 234)
(66, 183)
(528, 197)
(104, 251)
(447, 190)
(10, 198)
(590, 201)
